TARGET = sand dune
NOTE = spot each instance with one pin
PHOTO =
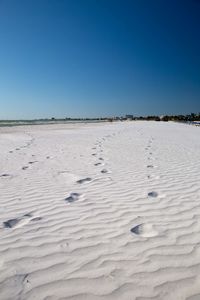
(100, 211)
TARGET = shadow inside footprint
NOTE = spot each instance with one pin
(144, 230)
(87, 179)
(4, 175)
(104, 171)
(13, 222)
(24, 168)
(136, 229)
(150, 166)
(36, 219)
(100, 158)
(97, 164)
(10, 223)
(28, 215)
(72, 198)
(153, 194)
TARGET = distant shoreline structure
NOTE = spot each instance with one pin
(190, 119)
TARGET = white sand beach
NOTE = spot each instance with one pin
(100, 211)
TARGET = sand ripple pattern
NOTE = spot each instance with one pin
(100, 211)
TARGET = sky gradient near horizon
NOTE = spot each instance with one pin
(87, 58)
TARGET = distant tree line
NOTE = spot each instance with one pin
(179, 118)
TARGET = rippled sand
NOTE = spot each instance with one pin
(100, 211)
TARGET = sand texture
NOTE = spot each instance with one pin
(100, 211)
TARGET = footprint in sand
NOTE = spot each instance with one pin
(5, 175)
(104, 171)
(72, 197)
(32, 162)
(150, 166)
(84, 180)
(144, 230)
(10, 223)
(24, 168)
(100, 158)
(94, 154)
(97, 164)
(153, 194)
(18, 222)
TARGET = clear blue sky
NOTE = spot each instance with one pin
(79, 58)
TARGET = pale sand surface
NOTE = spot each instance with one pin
(100, 211)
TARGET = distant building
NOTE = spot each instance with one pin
(129, 117)
(164, 118)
